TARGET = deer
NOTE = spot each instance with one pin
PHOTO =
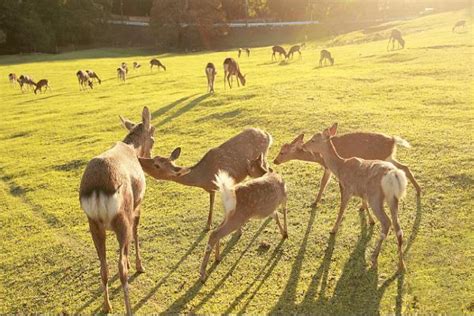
(157, 63)
(280, 50)
(211, 76)
(396, 35)
(255, 198)
(247, 50)
(325, 55)
(93, 75)
(233, 156)
(84, 80)
(372, 146)
(43, 83)
(136, 65)
(461, 23)
(12, 78)
(294, 49)
(111, 191)
(124, 66)
(374, 181)
(121, 74)
(231, 68)
(26, 80)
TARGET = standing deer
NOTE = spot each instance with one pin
(124, 67)
(157, 63)
(233, 156)
(231, 68)
(280, 50)
(40, 84)
(325, 54)
(136, 65)
(371, 146)
(93, 75)
(374, 181)
(112, 189)
(121, 74)
(256, 198)
(84, 80)
(294, 49)
(247, 50)
(26, 80)
(12, 78)
(458, 24)
(396, 35)
(211, 76)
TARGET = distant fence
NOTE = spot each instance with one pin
(230, 24)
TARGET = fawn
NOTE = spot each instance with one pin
(121, 74)
(84, 80)
(325, 54)
(211, 76)
(231, 68)
(26, 80)
(294, 49)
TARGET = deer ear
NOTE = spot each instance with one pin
(298, 139)
(127, 123)
(146, 118)
(175, 154)
(333, 129)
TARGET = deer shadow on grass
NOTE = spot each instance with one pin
(184, 109)
(170, 106)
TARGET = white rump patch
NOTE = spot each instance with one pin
(100, 206)
(226, 184)
(394, 184)
(400, 141)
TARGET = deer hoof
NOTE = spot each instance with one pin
(285, 235)
(371, 222)
(333, 231)
(107, 308)
(140, 268)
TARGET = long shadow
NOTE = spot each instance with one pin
(39, 99)
(173, 269)
(184, 109)
(168, 107)
(178, 304)
(416, 226)
(95, 296)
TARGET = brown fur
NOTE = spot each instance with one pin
(157, 63)
(26, 80)
(211, 76)
(40, 84)
(280, 50)
(231, 68)
(294, 49)
(84, 80)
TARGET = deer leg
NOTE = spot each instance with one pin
(212, 196)
(122, 230)
(138, 259)
(98, 236)
(229, 78)
(393, 204)
(345, 196)
(365, 207)
(377, 206)
(238, 81)
(408, 173)
(322, 187)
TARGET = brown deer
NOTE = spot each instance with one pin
(325, 55)
(93, 75)
(112, 189)
(121, 74)
(374, 181)
(43, 83)
(459, 24)
(12, 78)
(247, 50)
(233, 156)
(124, 66)
(396, 35)
(25, 80)
(372, 146)
(84, 80)
(211, 76)
(231, 68)
(294, 49)
(256, 198)
(280, 50)
(157, 63)
(136, 65)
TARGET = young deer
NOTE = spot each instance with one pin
(396, 35)
(121, 74)
(136, 65)
(112, 189)
(256, 198)
(84, 80)
(231, 68)
(40, 84)
(372, 146)
(233, 156)
(461, 23)
(294, 49)
(211, 76)
(280, 50)
(12, 78)
(372, 180)
(325, 54)
(93, 75)
(26, 80)
(157, 63)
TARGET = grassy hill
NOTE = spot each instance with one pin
(423, 93)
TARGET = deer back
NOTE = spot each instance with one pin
(364, 145)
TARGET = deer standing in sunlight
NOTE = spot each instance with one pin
(459, 24)
(111, 192)
(396, 35)
(233, 156)
(25, 80)
(211, 76)
(136, 65)
(372, 146)
(121, 74)
(84, 80)
(325, 55)
(43, 83)
(256, 198)
(157, 63)
(280, 50)
(12, 78)
(374, 181)
(247, 50)
(93, 75)
(231, 68)
(294, 49)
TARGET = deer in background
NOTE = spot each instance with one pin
(124, 67)
(294, 49)
(231, 68)
(211, 76)
(247, 50)
(12, 78)
(43, 83)
(234, 156)
(84, 80)
(25, 80)
(256, 198)
(111, 192)
(121, 74)
(93, 75)
(459, 24)
(325, 55)
(374, 181)
(396, 35)
(157, 63)
(136, 65)
(280, 50)
(371, 146)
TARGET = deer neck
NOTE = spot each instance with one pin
(331, 158)
(195, 178)
(307, 156)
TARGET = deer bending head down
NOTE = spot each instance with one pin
(93, 75)
(25, 80)
(234, 156)
(294, 49)
(43, 83)
(374, 181)
(84, 80)
(231, 68)
(112, 189)
(280, 50)
(325, 55)
(396, 36)
(211, 76)
(157, 63)
(12, 78)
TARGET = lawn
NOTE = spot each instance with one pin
(423, 93)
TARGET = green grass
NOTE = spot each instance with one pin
(422, 93)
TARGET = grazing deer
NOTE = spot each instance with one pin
(40, 84)
(157, 63)
(233, 156)
(211, 76)
(93, 75)
(124, 67)
(371, 146)
(12, 78)
(121, 74)
(247, 50)
(325, 54)
(231, 68)
(372, 180)
(396, 35)
(84, 80)
(294, 49)
(112, 189)
(26, 80)
(280, 50)
(136, 65)
(458, 24)
(256, 198)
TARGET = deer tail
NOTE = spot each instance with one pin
(394, 184)
(226, 185)
(401, 142)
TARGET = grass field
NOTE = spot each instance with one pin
(423, 93)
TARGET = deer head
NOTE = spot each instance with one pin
(141, 134)
(319, 141)
(258, 167)
(164, 167)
